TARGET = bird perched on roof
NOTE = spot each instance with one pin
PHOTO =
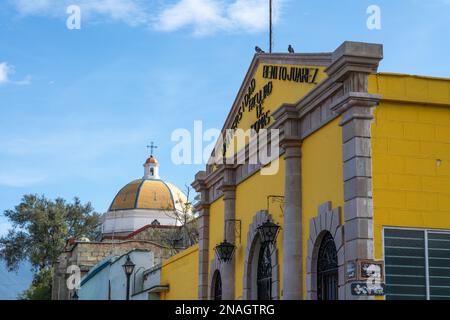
(259, 50)
(291, 49)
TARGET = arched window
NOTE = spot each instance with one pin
(152, 171)
(264, 276)
(327, 269)
(217, 294)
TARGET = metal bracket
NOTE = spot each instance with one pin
(275, 198)
(237, 228)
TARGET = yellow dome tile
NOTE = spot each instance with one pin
(154, 194)
(148, 194)
(126, 198)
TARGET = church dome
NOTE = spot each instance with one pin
(143, 202)
(149, 194)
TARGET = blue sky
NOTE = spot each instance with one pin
(78, 107)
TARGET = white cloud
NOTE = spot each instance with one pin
(20, 179)
(201, 16)
(132, 12)
(6, 70)
(209, 16)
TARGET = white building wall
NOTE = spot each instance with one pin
(97, 287)
(132, 220)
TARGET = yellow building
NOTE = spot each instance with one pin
(360, 186)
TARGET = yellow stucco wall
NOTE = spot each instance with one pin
(282, 92)
(411, 176)
(411, 153)
(322, 176)
(180, 272)
(322, 181)
(251, 197)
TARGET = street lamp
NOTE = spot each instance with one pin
(225, 251)
(268, 232)
(128, 268)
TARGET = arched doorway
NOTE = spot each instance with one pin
(261, 269)
(217, 289)
(264, 274)
(327, 269)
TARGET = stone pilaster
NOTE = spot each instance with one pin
(229, 199)
(292, 226)
(202, 207)
(352, 64)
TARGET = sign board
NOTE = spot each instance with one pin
(366, 277)
(371, 270)
(350, 271)
(367, 289)
(364, 270)
(271, 86)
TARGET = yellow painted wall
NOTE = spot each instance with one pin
(322, 180)
(411, 176)
(322, 176)
(180, 272)
(283, 92)
(411, 153)
(251, 197)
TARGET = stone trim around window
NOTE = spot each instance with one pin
(216, 265)
(250, 267)
(327, 220)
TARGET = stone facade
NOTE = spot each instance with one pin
(85, 255)
(163, 241)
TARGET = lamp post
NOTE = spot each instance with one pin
(128, 268)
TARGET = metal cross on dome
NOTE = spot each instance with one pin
(152, 146)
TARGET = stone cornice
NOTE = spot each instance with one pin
(354, 57)
(199, 183)
(201, 206)
(355, 105)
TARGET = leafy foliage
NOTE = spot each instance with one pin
(40, 288)
(40, 228)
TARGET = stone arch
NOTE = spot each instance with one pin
(250, 267)
(327, 220)
(216, 265)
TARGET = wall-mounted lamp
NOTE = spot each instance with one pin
(268, 232)
(225, 251)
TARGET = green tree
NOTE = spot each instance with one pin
(40, 288)
(40, 228)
